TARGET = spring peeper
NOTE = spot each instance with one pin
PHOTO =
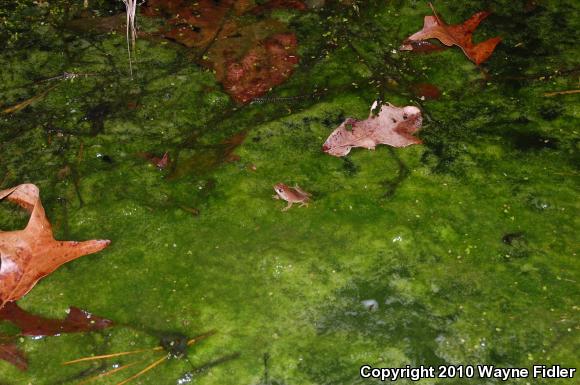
(291, 195)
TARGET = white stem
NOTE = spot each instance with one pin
(131, 9)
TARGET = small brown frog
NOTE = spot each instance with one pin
(291, 195)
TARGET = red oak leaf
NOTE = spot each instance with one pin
(393, 126)
(31, 254)
(460, 35)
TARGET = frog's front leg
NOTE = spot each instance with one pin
(287, 207)
(275, 196)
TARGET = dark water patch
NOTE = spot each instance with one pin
(333, 121)
(532, 141)
(96, 115)
(266, 379)
(551, 110)
(372, 307)
(349, 167)
(512, 238)
(403, 172)
(516, 245)
(105, 158)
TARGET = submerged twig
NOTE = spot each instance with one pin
(567, 92)
(67, 76)
(27, 102)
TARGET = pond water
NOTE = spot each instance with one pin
(457, 251)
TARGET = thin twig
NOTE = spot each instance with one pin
(567, 92)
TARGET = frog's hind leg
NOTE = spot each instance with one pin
(302, 204)
(287, 207)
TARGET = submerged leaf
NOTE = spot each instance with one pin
(248, 58)
(10, 353)
(160, 163)
(426, 91)
(393, 126)
(210, 157)
(460, 35)
(269, 63)
(29, 324)
(31, 254)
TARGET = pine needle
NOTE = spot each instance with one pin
(196, 339)
(112, 355)
(105, 374)
(148, 368)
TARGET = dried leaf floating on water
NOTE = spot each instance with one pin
(32, 253)
(460, 35)
(393, 126)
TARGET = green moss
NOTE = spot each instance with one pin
(467, 242)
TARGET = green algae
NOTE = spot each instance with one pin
(422, 230)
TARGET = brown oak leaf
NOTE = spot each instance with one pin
(31, 254)
(393, 126)
(460, 35)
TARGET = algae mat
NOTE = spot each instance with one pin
(467, 243)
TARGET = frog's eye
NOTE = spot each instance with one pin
(280, 190)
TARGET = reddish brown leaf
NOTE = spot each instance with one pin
(266, 65)
(426, 91)
(460, 35)
(423, 46)
(31, 254)
(248, 59)
(160, 163)
(10, 353)
(393, 126)
(29, 324)
(274, 4)
(194, 24)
